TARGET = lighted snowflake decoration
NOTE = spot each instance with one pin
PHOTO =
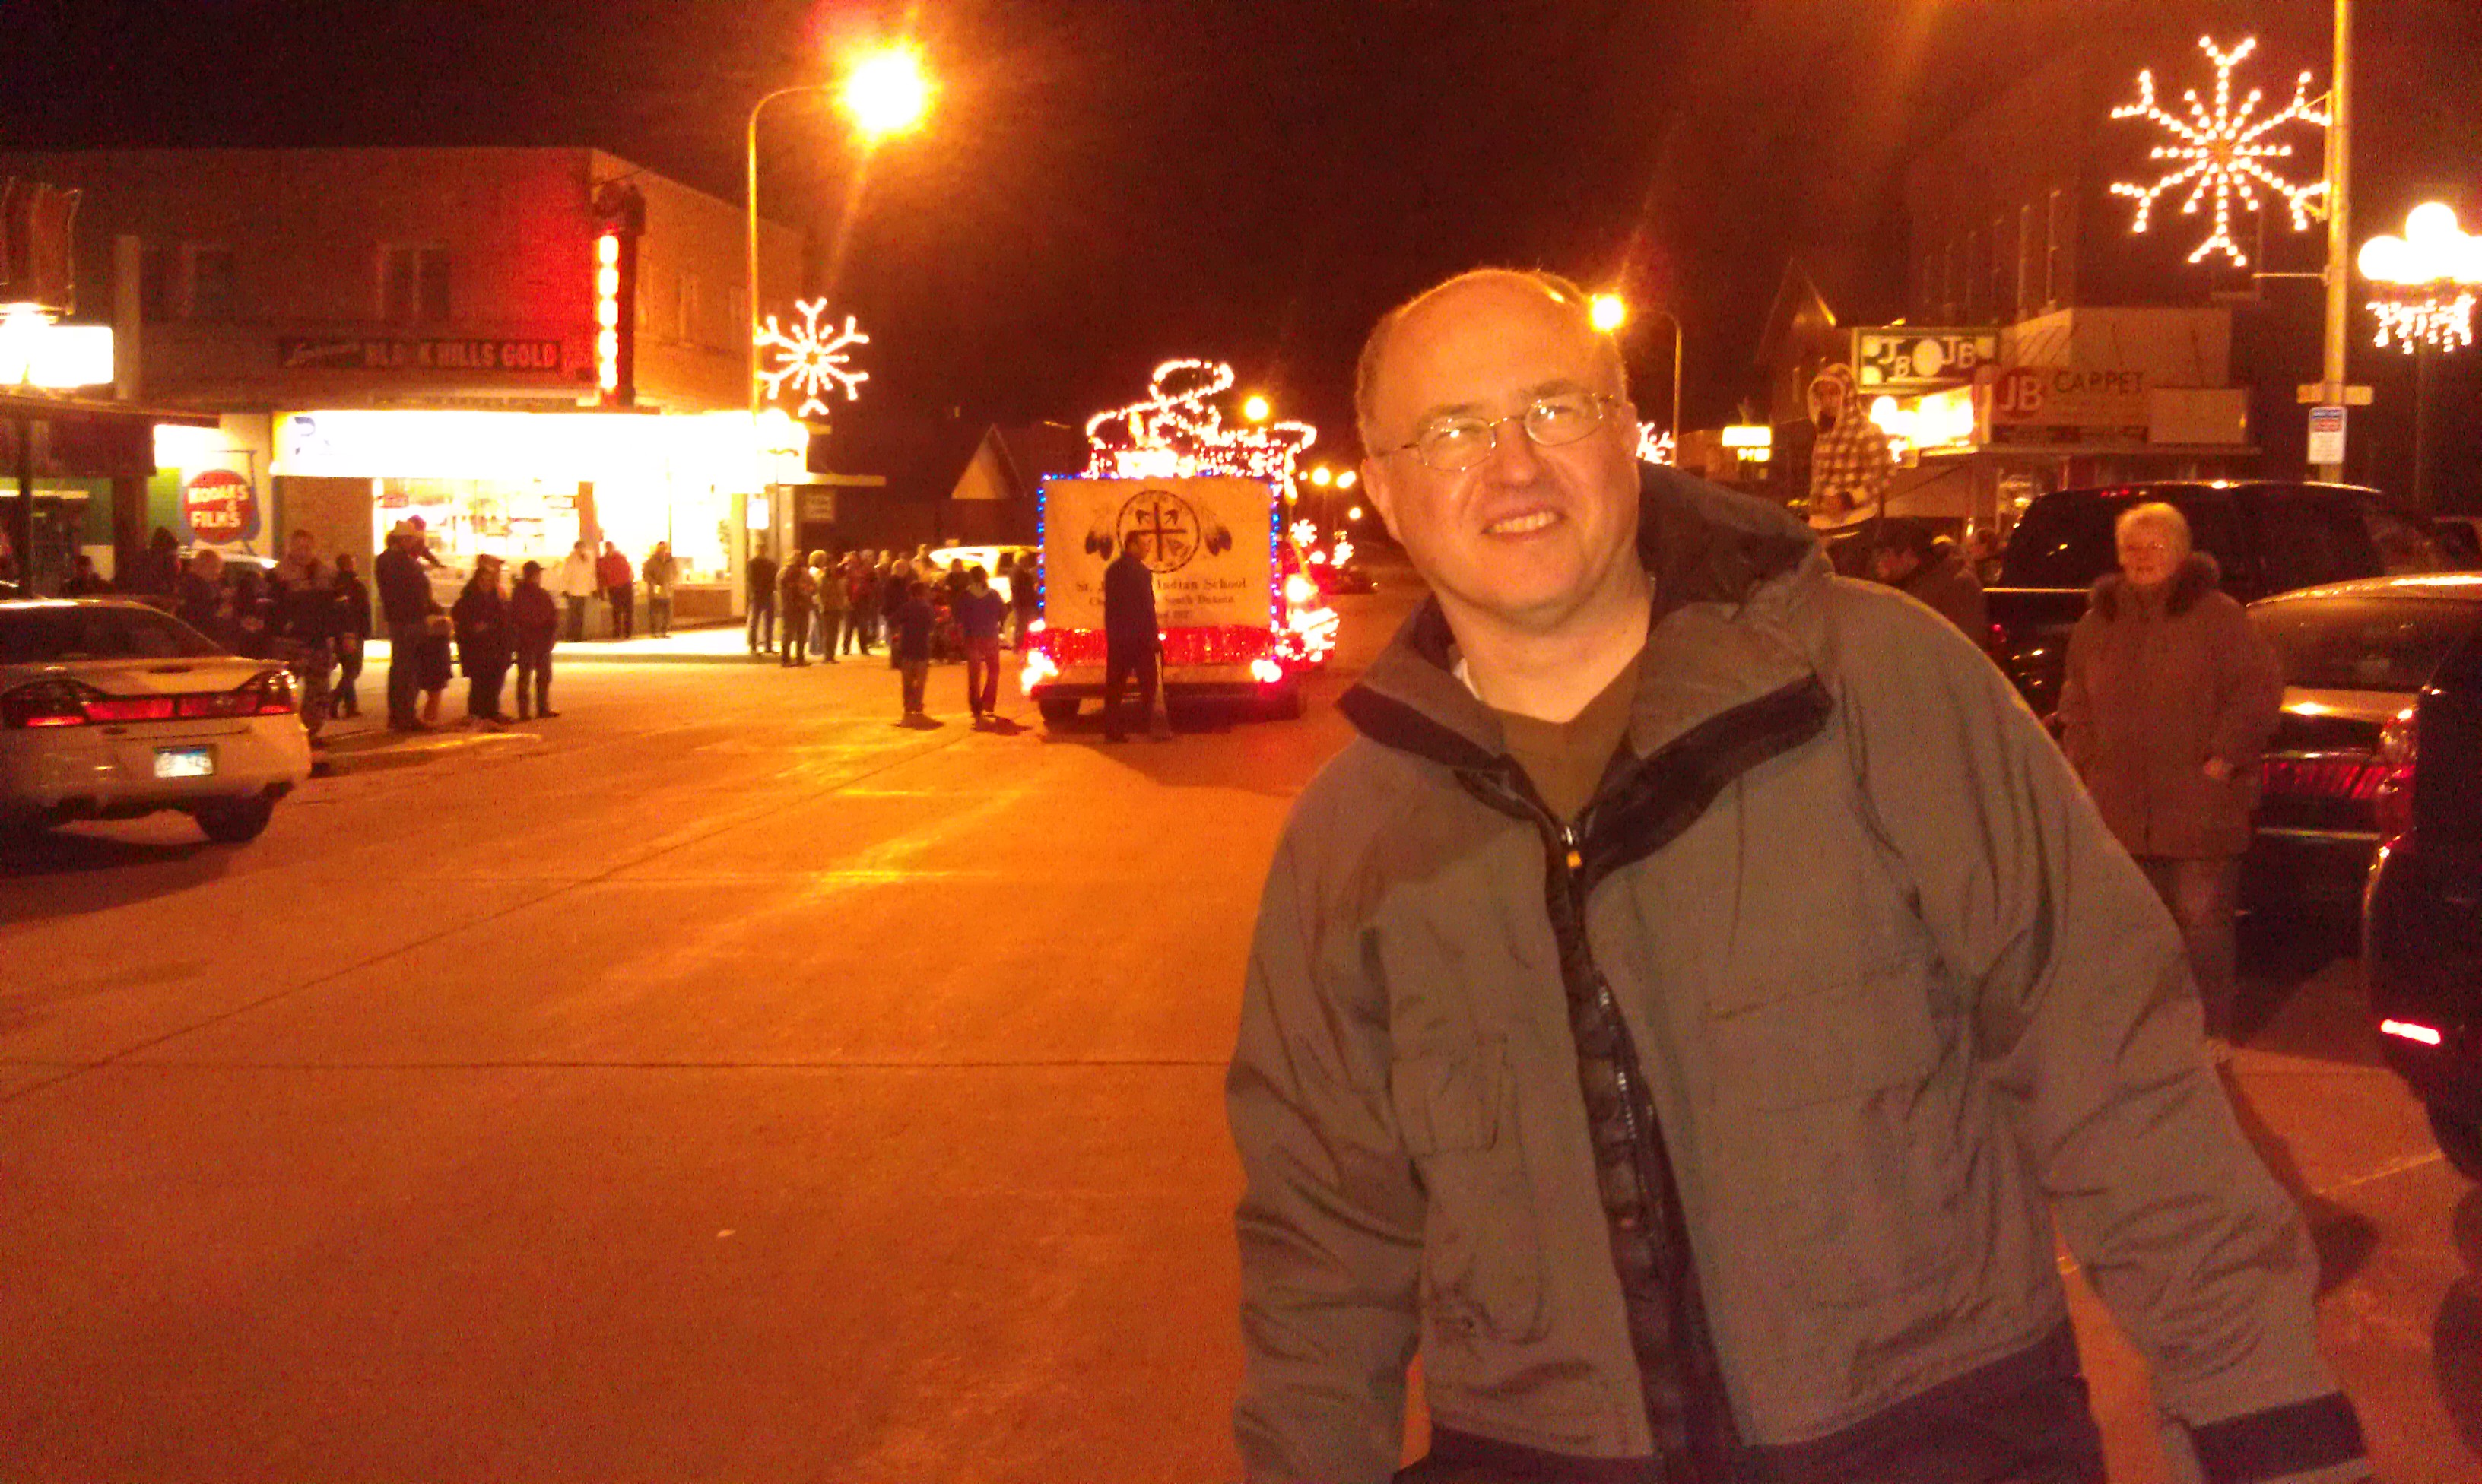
(1655, 447)
(1177, 431)
(2224, 151)
(811, 358)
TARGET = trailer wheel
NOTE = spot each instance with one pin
(1057, 709)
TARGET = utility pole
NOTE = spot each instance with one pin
(2339, 219)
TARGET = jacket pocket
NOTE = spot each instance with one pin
(1836, 1107)
(1482, 1260)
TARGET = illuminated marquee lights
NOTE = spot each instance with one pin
(811, 357)
(2425, 282)
(1177, 431)
(2223, 151)
(607, 313)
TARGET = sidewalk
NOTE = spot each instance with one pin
(703, 644)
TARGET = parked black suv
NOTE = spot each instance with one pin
(2421, 920)
(2268, 536)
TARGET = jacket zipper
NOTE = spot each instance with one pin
(1572, 863)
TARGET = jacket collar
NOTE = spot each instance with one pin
(2198, 575)
(1727, 571)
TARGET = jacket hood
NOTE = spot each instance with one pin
(1699, 542)
(2197, 576)
(1838, 375)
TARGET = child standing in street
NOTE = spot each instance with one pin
(909, 642)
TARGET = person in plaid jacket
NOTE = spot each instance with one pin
(1848, 466)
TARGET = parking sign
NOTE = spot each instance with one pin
(2326, 435)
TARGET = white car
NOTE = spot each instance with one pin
(988, 558)
(111, 709)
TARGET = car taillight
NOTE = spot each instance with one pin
(44, 703)
(139, 708)
(2393, 800)
(271, 695)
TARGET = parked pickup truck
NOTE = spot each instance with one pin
(2268, 536)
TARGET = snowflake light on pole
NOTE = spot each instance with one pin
(811, 357)
(1654, 447)
(2223, 151)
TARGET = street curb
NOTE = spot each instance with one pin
(376, 751)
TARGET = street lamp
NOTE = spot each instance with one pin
(1609, 312)
(2425, 283)
(885, 94)
(1257, 409)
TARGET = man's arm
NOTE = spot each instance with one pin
(2088, 1027)
(1331, 1221)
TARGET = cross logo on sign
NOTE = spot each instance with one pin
(2019, 392)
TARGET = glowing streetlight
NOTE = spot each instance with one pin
(1257, 409)
(1321, 475)
(1347, 480)
(2425, 280)
(1354, 514)
(2425, 283)
(886, 93)
(1609, 312)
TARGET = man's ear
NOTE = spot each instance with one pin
(1374, 483)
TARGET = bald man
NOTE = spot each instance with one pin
(1683, 1011)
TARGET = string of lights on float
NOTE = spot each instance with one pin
(1177, 431)
(2224, 151)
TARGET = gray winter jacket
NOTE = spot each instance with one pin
(1896, 998)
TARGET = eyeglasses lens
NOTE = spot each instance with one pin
(1464, 443)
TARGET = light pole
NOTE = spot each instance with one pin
(1608, 313)
(885, 94)
(2340, 218)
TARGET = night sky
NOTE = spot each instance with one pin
(1105, 183)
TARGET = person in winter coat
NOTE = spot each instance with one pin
(578, 581)
(762, 574)
(1849, 461)
(405, 607)
(828, 577)
(795, 591)
(619, 581)
(201, 599)
(2169, 698)
(1684, 1011)
(1130, 636)
(1026, 598)
(861, 600)
(661, 570)
(908, 642)
(1910, 560)
(352, 623)
(980, 614)
(895, 589)
(535, 621)
(485, 640)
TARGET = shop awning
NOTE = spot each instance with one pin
(55, 408)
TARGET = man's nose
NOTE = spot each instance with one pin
(1511, 452)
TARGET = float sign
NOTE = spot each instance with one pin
(1204, 540)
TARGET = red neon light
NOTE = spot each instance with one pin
(2410, 1031)
(607, 311)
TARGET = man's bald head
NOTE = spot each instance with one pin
(1445, 297)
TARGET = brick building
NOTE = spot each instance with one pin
(386, 332)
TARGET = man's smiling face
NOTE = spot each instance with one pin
(1532, 536)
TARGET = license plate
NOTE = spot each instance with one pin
(185, 762)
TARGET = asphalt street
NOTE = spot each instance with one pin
(723, 1081)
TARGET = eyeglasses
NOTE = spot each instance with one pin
(1454, 444)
